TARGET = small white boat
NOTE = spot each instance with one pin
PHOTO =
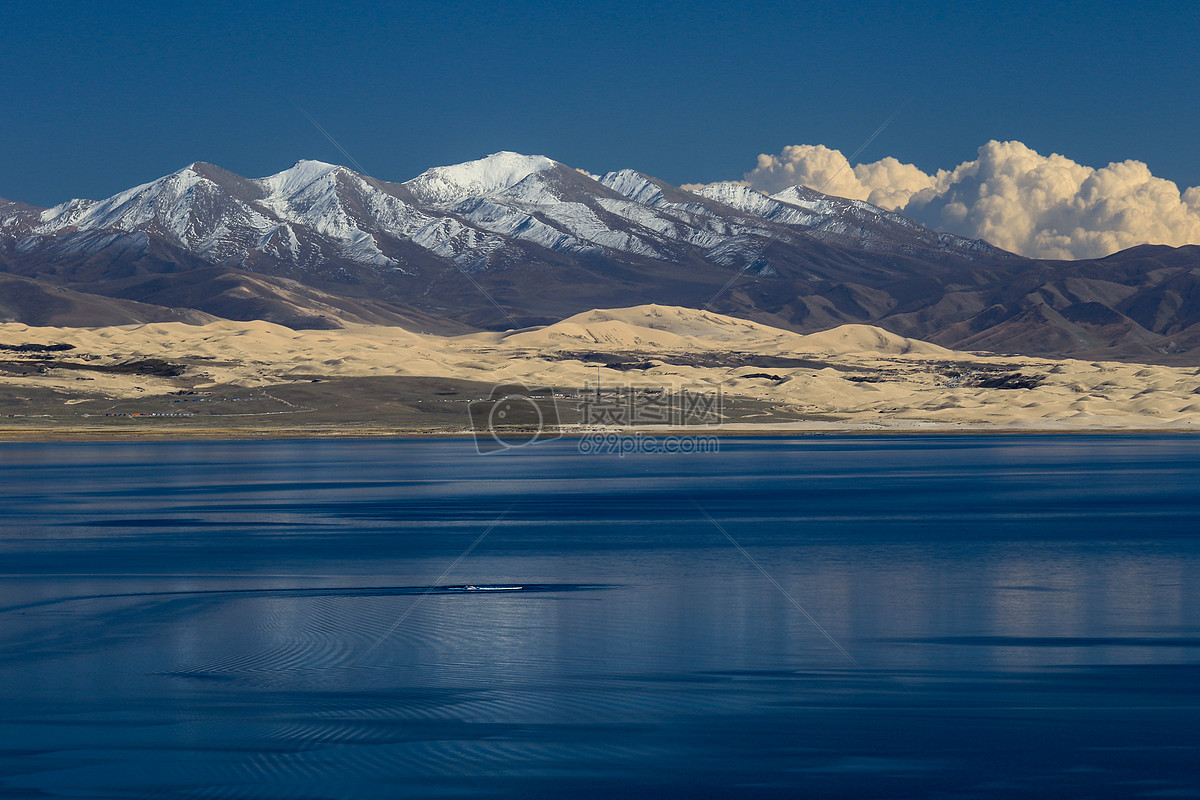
(470, 587)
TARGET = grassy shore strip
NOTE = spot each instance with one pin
(149, 434)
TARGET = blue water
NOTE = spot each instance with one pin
(967, 617)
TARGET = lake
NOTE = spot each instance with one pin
(828, 616)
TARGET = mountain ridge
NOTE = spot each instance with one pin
(511, 240)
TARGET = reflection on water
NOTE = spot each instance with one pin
(276, 619)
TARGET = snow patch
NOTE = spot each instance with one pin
(445, 186)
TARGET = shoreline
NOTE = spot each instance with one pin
(99, 436)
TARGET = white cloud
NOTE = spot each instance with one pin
(1010, 195)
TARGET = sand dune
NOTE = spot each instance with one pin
(652, 327)
(649, 327)
(853, 339)
(854, 376)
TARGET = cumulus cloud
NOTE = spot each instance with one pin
(1010, 195)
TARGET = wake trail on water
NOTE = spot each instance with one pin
(340, 591)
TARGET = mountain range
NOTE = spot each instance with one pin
(512, 241)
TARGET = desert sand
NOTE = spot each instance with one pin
(855, 377)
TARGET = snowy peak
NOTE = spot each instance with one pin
(16, 217)
(296, 179)
(847, 222)
(230, 182)
(800, 194)
(445, 186)
(651, 191)
(345, 209)
(741, 197)
(632, 184)
(812, 200)
(164, 204)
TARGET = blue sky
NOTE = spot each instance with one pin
(101, 96)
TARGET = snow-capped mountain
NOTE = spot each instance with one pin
(512, 240)
(307, 215)
(836, 219)
(482, 213)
